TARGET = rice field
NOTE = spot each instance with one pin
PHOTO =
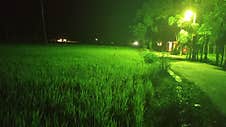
(74, 85)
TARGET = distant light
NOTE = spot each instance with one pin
(184, 50)
(188, 15)
(136, 43)
(60, 40)
(96, 39)
(64, 40)
(197, 105)
(159, 43)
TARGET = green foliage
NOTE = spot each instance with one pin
(73, 86)
(224, 66)
(208, 27)
(165, 64)
(153, 17)
(205, 30)
(183, 37)
(150, 57)
(163, 61)
(154, 14)
(139, 30)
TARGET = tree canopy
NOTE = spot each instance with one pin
(161, 19)
(194, 23)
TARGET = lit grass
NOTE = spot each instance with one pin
(66, 85)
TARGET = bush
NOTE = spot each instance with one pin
(163, 61)
(165, 65)
(150, 57)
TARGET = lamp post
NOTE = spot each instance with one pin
(191, 16)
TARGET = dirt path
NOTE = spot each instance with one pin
(209, 78)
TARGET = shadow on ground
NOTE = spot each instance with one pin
(181, 105)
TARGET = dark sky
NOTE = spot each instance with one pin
(79, 19)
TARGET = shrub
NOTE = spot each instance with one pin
(150, 57)
(165, 65)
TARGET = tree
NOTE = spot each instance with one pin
(210, 17)
(204, 32)
(188, 32)
(209, 27)
(139, 31)
(154, 19)
(183, 38)
(216, 20)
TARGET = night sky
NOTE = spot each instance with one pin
(79, 20)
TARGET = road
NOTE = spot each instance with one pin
(210, 79)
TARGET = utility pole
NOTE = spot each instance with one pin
(43, 22)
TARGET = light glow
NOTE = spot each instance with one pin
(60, 40)
(64, 40)
(159, 44)
(136, 43)
(184, 50)
(188, 15)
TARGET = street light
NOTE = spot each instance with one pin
(189, 14)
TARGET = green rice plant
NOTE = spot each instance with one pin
(67, 85)
(150, 57)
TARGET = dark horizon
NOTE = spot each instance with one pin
(79, 20)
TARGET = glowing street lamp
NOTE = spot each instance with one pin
(189, 14)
